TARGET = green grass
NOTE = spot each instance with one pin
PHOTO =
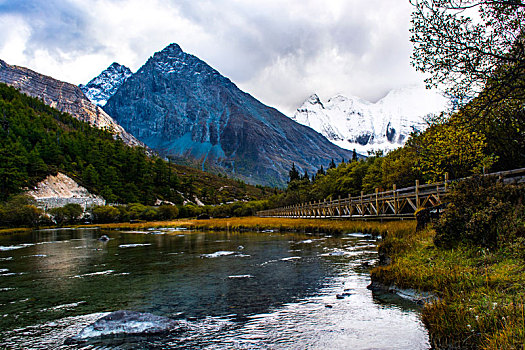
(481, 292)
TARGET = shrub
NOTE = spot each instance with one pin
(483, 211)
(168, 212)
(20, 210)
(105, 214)
(69, 213)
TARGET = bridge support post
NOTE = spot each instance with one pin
(417, 194)
(377, 201)
(394, 187)
(362, 205)
(446, 182)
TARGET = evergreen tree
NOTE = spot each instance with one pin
(306, 176)
(354, 156)
(293, 173)
(332, 164)
(320, 171)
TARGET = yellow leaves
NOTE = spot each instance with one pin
(451, 147)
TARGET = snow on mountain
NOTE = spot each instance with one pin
(102, 87)
(353, 123)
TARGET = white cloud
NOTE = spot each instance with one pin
(280, 52)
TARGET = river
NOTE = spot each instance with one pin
(233, 290)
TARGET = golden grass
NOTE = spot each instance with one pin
(7, 231)
(280, 224)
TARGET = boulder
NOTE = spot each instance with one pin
(124, 323)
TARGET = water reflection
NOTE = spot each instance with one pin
(248, 290)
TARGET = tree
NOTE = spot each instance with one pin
(67, 214)
(399, 167)
(467, 45)
(320, 172)
(354, 156)
(452, 147)
(306, 176)
(293, 173)
(105, 214)
(90, 176)
(332, 164)
(168, 212)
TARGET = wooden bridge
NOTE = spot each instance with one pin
(394, 204)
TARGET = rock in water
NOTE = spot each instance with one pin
(124, 323)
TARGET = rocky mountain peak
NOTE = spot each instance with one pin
(313, 100)
(180, 106)
(172, 49)
(173, 61)
(102, 87)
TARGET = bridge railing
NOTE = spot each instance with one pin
(394, 203)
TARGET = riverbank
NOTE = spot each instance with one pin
(14, 230)
(481, 292)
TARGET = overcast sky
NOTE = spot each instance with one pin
(279, 51)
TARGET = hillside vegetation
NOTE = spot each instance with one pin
(37, 140)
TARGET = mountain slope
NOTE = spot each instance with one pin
(353, 123)
(180, 106)
(102, 87)
(63, 96)
(37, 140)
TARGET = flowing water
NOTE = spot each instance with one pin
(231, 290)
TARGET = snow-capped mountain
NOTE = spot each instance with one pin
(353, 123)
(102, 87)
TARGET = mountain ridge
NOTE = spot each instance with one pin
(63, 96)
(180, 106)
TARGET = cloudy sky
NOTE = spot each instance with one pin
(279, 51)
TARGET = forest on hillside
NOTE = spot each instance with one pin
(37, 140)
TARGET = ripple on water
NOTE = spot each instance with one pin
(100, 273)
(134, 245)
(63, 306)
(35, 256)
(13, 247)
(218, 254)
(290, 258)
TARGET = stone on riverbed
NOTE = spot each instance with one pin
(124, 323)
